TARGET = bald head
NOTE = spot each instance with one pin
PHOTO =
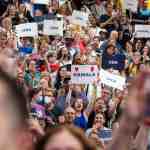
(69, 115)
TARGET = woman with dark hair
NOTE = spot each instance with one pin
(62, 77)
(79, 59)
(63, 138)
(24, 13)
(81, 118)
(64, 56)
(12, 13)
(138, 45)
(145, 54)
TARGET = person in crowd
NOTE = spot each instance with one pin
(25, 46)
(14, 115)
(69, 115)
(64, 56)
(112, 59)
(63, 75)
(32, 76)
(134, 67)
(99, 8)
(3, 41)
(138, 45)
(105, 134)
(42, 66)
(24, 13)
(58, 139)
(113, 39)
(106, 20)
(145, 54)
(81, 116)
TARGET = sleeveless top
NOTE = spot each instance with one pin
(81, 121)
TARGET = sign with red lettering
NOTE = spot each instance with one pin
(84, 74)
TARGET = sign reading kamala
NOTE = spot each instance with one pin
(79, 18)
(53, 27)
(44, 2)
(142, 31)
(112, 80)
(84, 74)
(27, 30)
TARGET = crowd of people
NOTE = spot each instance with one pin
(61, 115)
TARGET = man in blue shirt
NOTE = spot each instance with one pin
(112, 59)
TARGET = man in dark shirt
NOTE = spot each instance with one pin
(4, 5)
(106, 20)
(113, 60)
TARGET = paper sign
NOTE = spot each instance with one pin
(62, 2)
(79, 18)
(142, 31)
(27, 30)
(83, 74)
(44, 2)
(53, 27)
(131, 5)
(112, 80)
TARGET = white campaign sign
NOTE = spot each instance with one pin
(142, 31)
(131, 5)
(84, 74)
(112, 80)
(62, 2)
(44, 2)
(27, 30)
(79, 18)
(53, 27)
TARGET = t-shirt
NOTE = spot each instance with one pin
(104, 18)
(115, 61)
(104, 134)
(81, 122)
